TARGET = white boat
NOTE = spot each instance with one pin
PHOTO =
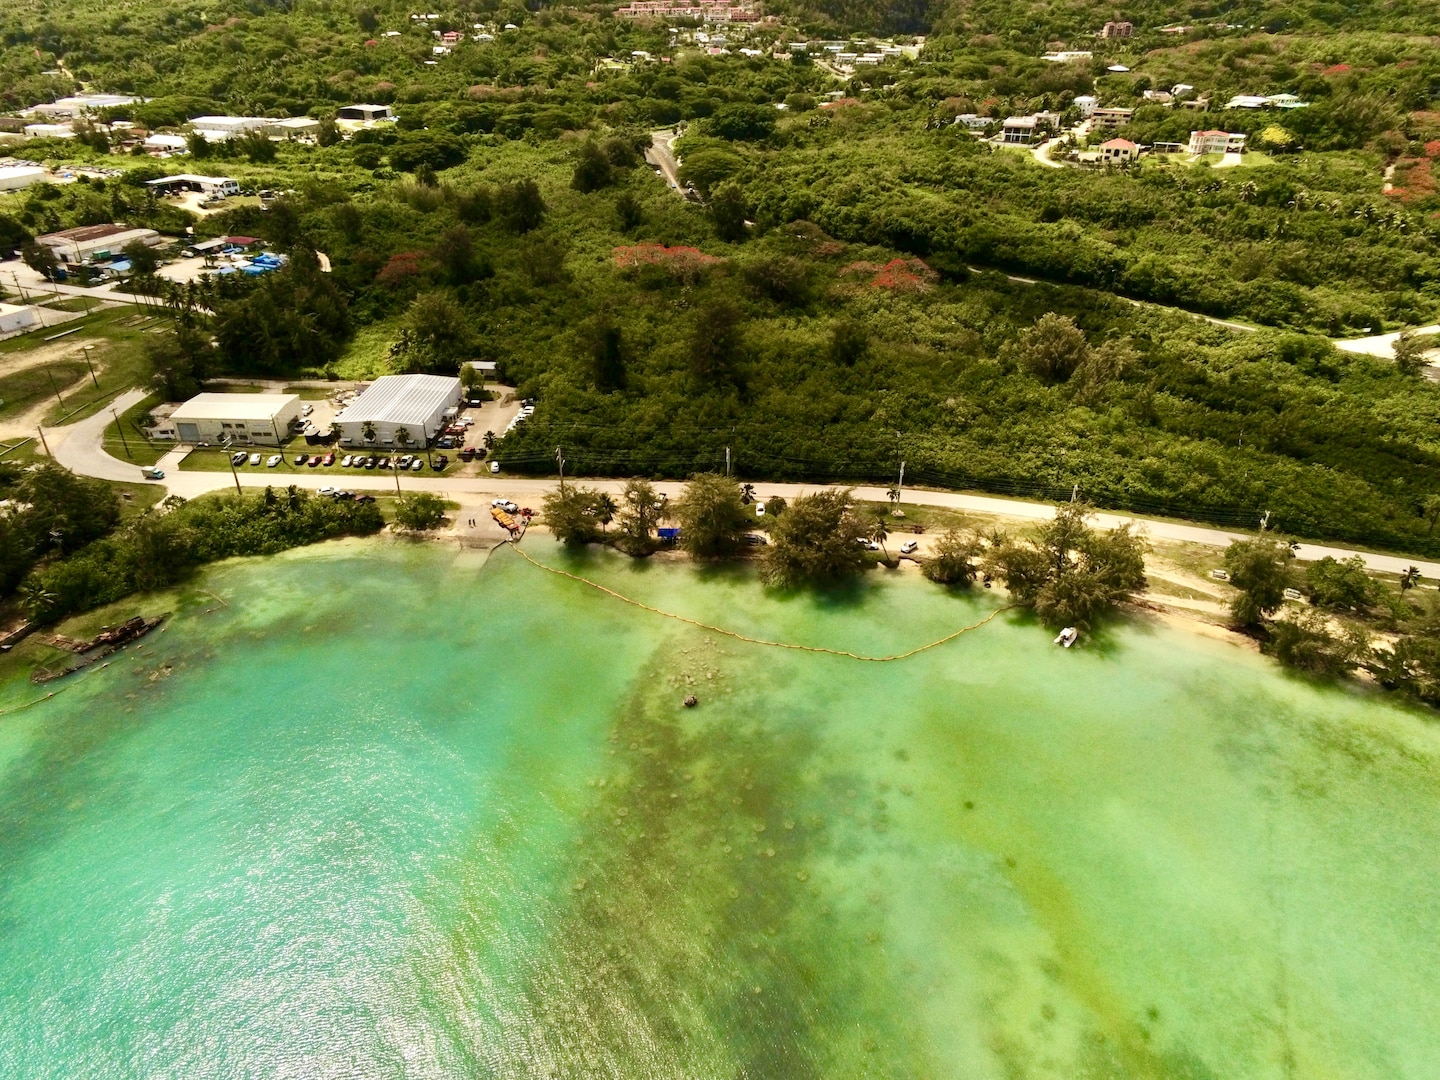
(1067, 637)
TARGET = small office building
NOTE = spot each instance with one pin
(248, 419)
(417, 403)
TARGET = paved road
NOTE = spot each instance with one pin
(78, 447)
(660, 155)
(1382, 345)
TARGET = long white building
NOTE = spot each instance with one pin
(246, 418)
(417, 403)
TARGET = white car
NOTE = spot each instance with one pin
(506, 505)
(759, 509)
(274, 460)
(494, 466)
(326, 491)
(254, 459)
(416, 465)
(909, 547)
(345, 461)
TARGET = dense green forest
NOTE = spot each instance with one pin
(835, 302)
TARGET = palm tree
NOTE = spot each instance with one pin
(1410, 578)
(880, 532)
(403, 439)
(747, 494)
(893, 494)
(37, 599)
(489, 441)
(367, 431)
(605, 510)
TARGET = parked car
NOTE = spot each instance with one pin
(494, 466)
(326, 491)
(439, 461)
(447, 443)
(345, 461)
(404, 461)
(300, 459)
(274, 460)
(416, 465)
(868, 545)
(307, 410)
(238, 458)
(909, 547)
(364, 498)
(468, 454)
(254, 459)
(754, 540)
(314, 460)
(506, 505)
(328, 460)
(369, 463)
(383, 463)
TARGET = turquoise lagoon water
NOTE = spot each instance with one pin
(398, 812)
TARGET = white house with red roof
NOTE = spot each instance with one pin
(1118, 150)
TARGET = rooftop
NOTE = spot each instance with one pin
(401, 399)
(233, 406)
(85, 233)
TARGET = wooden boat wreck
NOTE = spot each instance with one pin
(97, 648)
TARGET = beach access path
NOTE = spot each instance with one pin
(79, 448)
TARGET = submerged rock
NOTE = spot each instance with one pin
(691, 701)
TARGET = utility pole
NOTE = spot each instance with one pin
(43, 443)
(727, 462)
(1074, 493)
(900, 487)
(51, 377)
(229, 443)
(121, 428)
(395, 466)
(91, 366)
(560, 460)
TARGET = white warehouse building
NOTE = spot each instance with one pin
(14, 318)
(246, 418)
(417, 403)
(220, 128)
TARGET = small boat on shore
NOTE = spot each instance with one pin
(1067, 637)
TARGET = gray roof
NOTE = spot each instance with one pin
(402, 399)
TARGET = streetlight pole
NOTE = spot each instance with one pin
(900, 487)
(560, 460)
(126, 442)
(91, 366)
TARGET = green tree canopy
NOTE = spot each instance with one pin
(712, 517)
(818, 539)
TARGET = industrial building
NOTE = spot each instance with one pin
(220, 128)
(210, 185)
(81, 104)
(365, 113)
(417, 403)
(15, 319)
(95, 243)
(246, 418)
(14, 177)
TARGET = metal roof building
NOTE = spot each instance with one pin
(246, 418)
(416, 403)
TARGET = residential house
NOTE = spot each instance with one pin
(1117, 30)
(1216, 142)
(1109, 119)
(1117, 151)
